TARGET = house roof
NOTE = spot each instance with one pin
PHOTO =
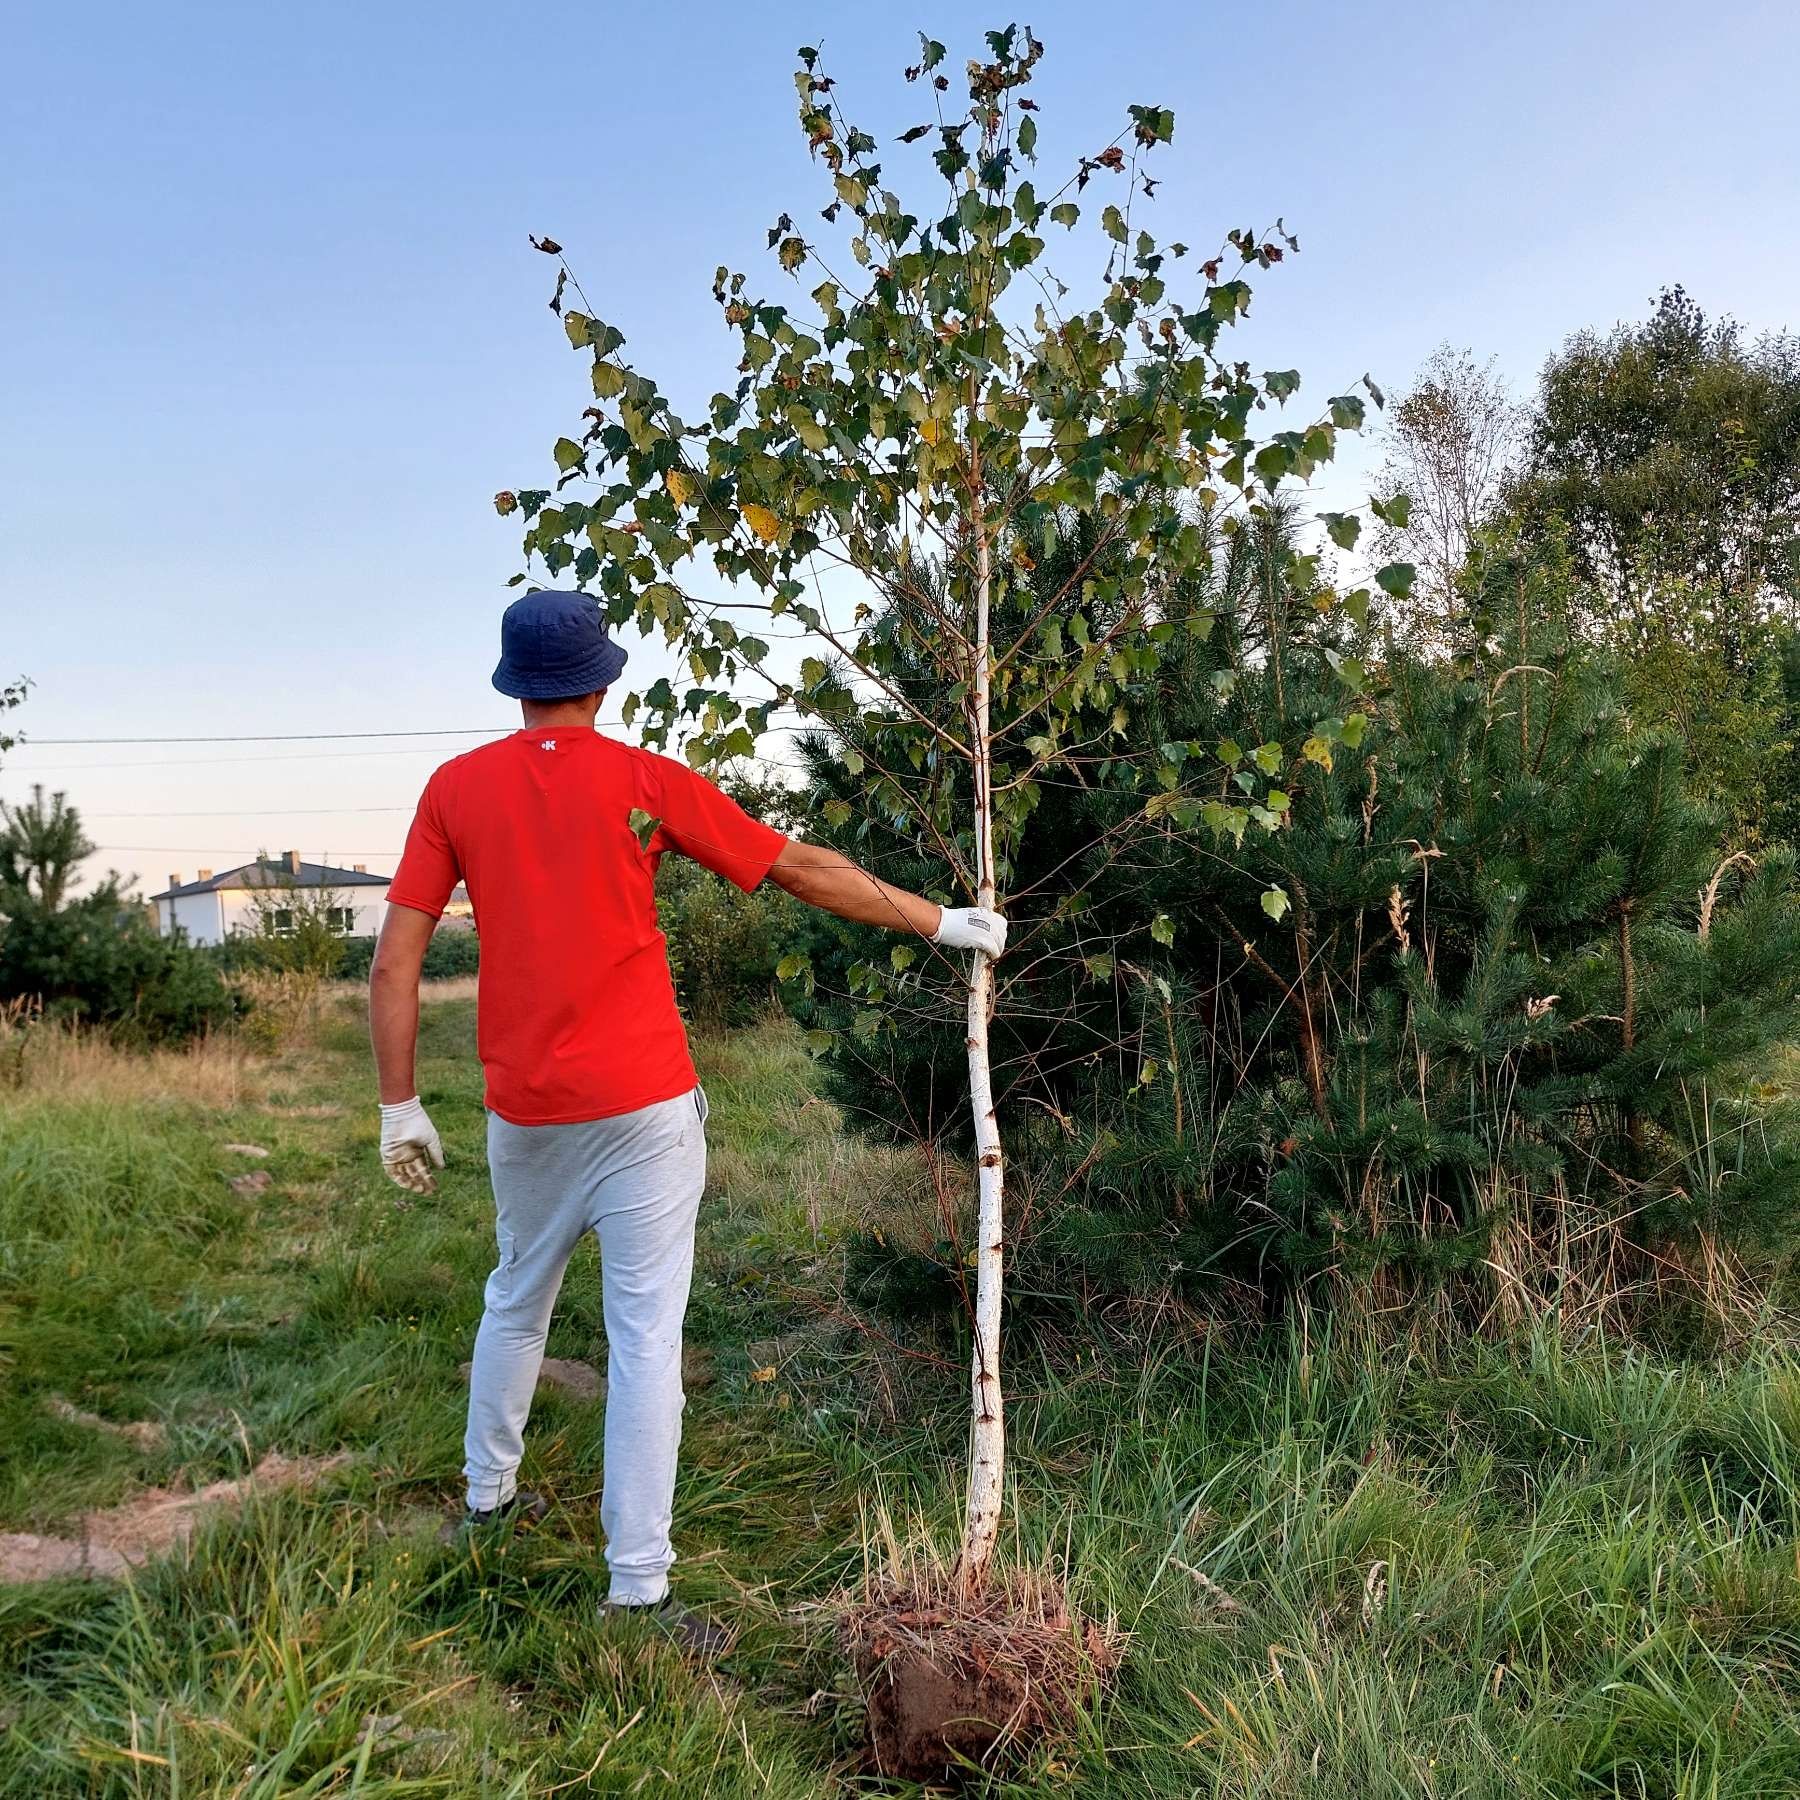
(262, 874)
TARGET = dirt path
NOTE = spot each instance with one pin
(116, 1540)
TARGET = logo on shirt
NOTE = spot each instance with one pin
(548, 744)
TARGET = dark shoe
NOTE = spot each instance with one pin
(695, 1634)
(524, 1508)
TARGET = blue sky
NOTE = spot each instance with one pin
(271, 334)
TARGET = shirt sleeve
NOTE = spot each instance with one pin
(428, 867)
(705, 823)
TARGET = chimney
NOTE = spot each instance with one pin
(175, 879)
(292, 859)
(204, 875)
(359, 868)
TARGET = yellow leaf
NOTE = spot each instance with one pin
(1317, 749)
(767, 1374)
(931, 430)
(682, 486)
(763, 522)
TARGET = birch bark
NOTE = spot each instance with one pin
(987, 1433)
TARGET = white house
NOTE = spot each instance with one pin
(214, 907)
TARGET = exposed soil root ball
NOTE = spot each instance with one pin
(952, 1682)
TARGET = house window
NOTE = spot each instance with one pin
(281, 921)
(342, 920)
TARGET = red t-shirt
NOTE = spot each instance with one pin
(576, 1016)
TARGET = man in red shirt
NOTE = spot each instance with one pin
(595, 1116)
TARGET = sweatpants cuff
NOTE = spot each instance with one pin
(488, 1491)
(642, 1592)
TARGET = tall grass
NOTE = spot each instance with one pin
(68, 1062)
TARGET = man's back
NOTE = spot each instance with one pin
(577, 1015)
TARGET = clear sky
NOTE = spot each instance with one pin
(271, 335)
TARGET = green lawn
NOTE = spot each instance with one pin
(1522, 1571)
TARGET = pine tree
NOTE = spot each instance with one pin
(1485, 997)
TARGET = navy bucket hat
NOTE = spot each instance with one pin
(553, 646)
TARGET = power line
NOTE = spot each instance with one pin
(209, 849)
(213, 762)
(254, 812)
(210, 762)
(30, 769)
(292, 737)
(280, 737)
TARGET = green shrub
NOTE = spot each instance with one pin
(100, 961)
(724, 944)
(452, 952)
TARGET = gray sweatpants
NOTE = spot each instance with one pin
(634, 1181)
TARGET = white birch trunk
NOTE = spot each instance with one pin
(987, 1434)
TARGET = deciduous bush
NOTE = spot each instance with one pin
(724, 945)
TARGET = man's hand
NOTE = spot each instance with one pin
(410, 1147)
(971, 928)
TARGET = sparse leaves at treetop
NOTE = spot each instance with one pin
(863, 424)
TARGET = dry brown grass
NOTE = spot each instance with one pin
(457, 987)
(75, 1064)
(245, 1066)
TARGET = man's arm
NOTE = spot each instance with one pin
(826, 879)
(409, 1142)
(831, 881)
(394, 999)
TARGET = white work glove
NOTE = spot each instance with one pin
(971, 928)
(410, 1146)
